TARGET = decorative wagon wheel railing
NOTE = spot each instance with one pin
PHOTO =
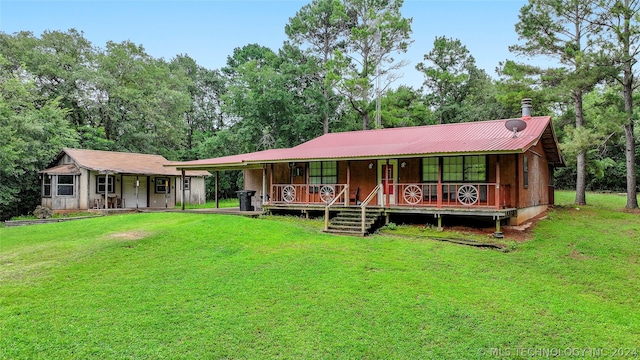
(327, 193)
(467, 195)
(288, 193)
(412, 194)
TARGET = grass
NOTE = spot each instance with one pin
(171, 285)
(55, 216)
(223, 203)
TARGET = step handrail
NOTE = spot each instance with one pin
(363, 205)
(331, 203)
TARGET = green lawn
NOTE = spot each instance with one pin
(223, 203)
(171, 285)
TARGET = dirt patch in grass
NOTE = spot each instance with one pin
(129, 235)
(520, 233)
(577, 255)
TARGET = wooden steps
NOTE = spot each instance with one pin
(349, 222)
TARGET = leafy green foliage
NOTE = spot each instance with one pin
(377, 31)
(32, 132)
(405, 107)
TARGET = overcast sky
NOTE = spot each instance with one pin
(209, 30)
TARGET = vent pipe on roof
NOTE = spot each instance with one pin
(526, 108)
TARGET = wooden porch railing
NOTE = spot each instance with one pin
(451, 194)
(326, 209)
(363, 206)
(488, 195)
(308, 193)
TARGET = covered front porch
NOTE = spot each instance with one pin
(347, 211)
(387, 195)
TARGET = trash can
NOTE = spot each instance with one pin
(245, 199)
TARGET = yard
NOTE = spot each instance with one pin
(171, 285)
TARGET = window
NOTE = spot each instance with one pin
(100, 187)
(430, 169)
(452, 169)
(323, 172)
(187, 183)
(65, 185)
(525, 170)
(475, 168)
(46, 185)
(162, 186)
(464, 168)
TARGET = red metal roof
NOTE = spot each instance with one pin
(472, 137)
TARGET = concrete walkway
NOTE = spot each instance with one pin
(222, 211)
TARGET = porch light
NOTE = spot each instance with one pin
(370, 165)
(403, 164)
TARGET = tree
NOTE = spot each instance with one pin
(622, 41)
(448, 80)
(139, 101)
(563, 30)
(405, 106)
(205, 115)
(61, 64)
(323, 25)
(33, 129)
(519, 81)
(377, 30)
(457, 90)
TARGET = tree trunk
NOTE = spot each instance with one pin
(627, 94)
(325, 123)
(365, 120)
(632, 195)
(581, 163)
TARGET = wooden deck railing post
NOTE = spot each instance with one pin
(329, 204)
(497, 189)
(363, 206)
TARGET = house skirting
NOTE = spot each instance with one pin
(528, 213)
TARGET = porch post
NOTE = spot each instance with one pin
(137, 190)
(216, 192)
(439, 201)
(182, 179)
(347, 196)
(106, 189)
(271, 180)
(498, 234)
(497, 195)
(388, 197)
(264, 184)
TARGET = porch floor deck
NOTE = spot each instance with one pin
(495, 214)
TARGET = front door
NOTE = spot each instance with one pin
(388, 177)
(134, 191)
